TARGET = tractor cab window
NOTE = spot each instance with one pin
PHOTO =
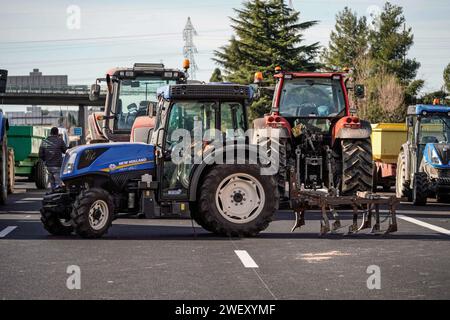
(184, 117)
(133, 99)
(232, 119)
(435, 129)
(312, 97)
(188, 115)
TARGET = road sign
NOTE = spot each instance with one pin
(78, 132)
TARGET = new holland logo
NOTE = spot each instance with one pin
(112, 167)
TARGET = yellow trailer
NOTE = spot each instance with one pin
(387, 141)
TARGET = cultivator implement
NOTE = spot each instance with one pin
(364, 203)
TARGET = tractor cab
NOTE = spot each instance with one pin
(319, 133)
(191, 121)
(424, 162)
(131, 92)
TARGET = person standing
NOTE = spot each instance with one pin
(51, 153)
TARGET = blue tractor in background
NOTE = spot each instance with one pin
(106, 181)
(423, 169)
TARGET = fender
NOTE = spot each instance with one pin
(242, 152)
(351, 128)
(273, 123)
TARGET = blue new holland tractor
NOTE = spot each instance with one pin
(106, 181)
(423, 169)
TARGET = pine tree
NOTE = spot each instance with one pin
(390, 42)
(348, 41)
(216, 76)
(447, 78)
(267, 34)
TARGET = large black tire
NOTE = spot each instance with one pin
(4, 171)
(357, 167)
(53, 224)
(40, 175)
(199, 218)
(96, 202)
(402, 184)
(421, 189)
(248, 180)
(11, 171)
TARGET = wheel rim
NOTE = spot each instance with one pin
(240, 198)
(98, 215)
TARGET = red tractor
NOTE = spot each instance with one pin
(320, 140)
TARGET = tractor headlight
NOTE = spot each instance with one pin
(70, 164)
(435, 159)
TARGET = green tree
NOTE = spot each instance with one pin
(267, 34)
(390, 42)
(447, 78)
(428, 98)
(216, 76)
(348, 40)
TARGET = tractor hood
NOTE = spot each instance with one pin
(107, 159)
(437, 155)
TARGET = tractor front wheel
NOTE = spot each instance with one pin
(54, 224)
(402, 187)
(420, 192)
(237, 201)
(93, 213)
(40, 175)
(357, 167)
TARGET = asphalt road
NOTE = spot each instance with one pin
(163, 259)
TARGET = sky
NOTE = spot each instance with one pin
(42, 34)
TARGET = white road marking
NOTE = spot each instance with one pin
(32, 199)
(246, 260)
(425, 225)
(7, 231)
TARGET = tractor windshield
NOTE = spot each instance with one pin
(312, 97)
(434, 129)
(133, 99)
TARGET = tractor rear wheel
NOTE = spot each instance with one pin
(420, 192)
(357, 167)
(236, 201)
(402, 185)
(93, 213)
(40, 175)
(195, 214)
(11, 171)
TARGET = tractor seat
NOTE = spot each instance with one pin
(429, 139)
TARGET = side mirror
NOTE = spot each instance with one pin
(109, 83)
(94, 94)
(410, 122)
(152, 109)
(360, 91)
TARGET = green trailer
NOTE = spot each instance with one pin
(26, 141)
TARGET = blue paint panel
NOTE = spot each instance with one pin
(118, 158)
(431, 109)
